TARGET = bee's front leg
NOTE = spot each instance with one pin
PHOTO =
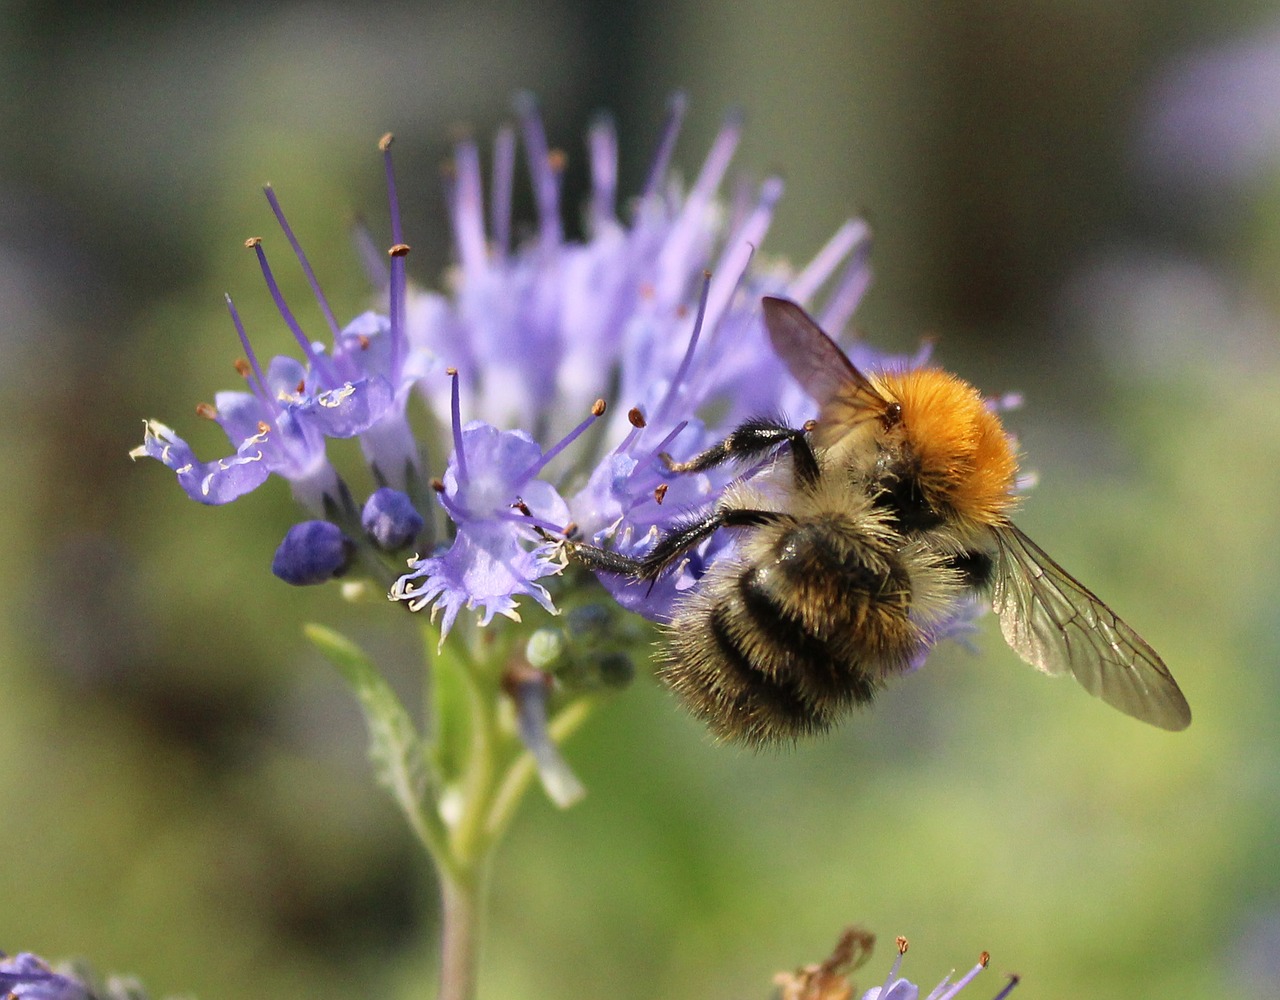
(756, 438)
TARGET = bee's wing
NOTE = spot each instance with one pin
(1058, 625)
(813, 358)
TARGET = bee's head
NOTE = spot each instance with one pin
(939, 432)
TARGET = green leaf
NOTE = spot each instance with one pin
(395, 748)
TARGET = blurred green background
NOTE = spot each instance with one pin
(184, 784)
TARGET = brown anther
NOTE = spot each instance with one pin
(556, 159)
(902, 944)
(451, 372)
(253, 241)
(301, 387)
(570, 529)
(597, 408)
(364, 341)
(522, 507)
(207, 410)
(437, 484)
(984, 959)
(706, 275)
(263, 427)
(243, 368)
(636, 417)
(809, 426)
(399, 250)
(660, 493)
(385, 142)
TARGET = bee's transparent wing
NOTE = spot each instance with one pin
(1058, 625)
(812, 357)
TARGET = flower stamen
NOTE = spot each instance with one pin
(455, 410)
(504, 178)
(467, 197)
(666, 144)
(843, 242)
(274, 202)
(944, 992)
(543, 171)
(602, 144)
(597, 411)
(316, 360)
(685, 362)
(258, 384)
(399, 249)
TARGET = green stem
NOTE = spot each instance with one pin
(462, 912)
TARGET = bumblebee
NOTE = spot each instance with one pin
(933, 455)
(895, 505)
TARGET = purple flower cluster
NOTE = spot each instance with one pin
(29, 977)
(657, 309)
(897, 988)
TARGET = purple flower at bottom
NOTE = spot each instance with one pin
(313, 552)
(390, 519)
(30, 978)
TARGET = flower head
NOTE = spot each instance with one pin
(658, 308)
(897, 988)
(30, 978)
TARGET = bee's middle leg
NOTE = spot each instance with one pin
(683, 537)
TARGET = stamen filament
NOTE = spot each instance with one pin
(896, 967)
(1014, 979)
(468, 207)
(687, 360)
(546, 181)
(257, 384)
(739, 250)
(676, 107)
(396, 302)
(602, 145)
(674, 261)
(597, 411)
(955, 988)
(843, 241)
(399, 249)
(314, 358)
(455, 406)
(504, 174)
(384, 144)
(850, 288)
(274, 202)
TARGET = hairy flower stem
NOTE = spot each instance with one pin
(462, 910)
(482, 773)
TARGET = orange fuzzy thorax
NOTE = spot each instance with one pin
(965, 460)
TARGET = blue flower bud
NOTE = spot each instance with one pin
(390, 519)
(313, 552)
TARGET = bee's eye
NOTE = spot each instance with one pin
(892, 415)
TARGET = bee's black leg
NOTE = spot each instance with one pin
(755, 439)
(684, 536)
